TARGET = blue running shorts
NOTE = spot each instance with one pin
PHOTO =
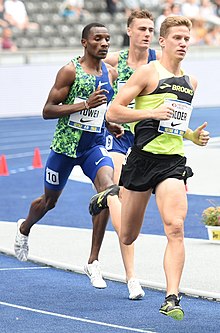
(119, 145)
(59, 166)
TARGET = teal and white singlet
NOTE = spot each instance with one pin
(124, 72)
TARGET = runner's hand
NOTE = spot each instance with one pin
(115, 129)
(163, 112)
(200, 135)
(97, 98)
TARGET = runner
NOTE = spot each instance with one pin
(79, 99)
(163, 95)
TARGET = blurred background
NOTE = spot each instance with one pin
(54, 26)
(37, 37)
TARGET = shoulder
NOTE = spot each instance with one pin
(143, 74)
(68, 68)
(146, 68)
(146, 75)
(158, 54)
(193, 81)
(112, 58)
(112, 71)
(67, 73)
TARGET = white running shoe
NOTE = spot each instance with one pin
(94, 273)
(21, 243)
(135, 289)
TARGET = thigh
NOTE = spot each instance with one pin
(57, 171)
(51, 196)
(132, 211)
(118, 160)
(171, 200)
(97, 158)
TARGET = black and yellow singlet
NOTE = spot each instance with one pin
(147, 137)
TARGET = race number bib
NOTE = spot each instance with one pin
(88, 120)
(179, 122)
(121, 84)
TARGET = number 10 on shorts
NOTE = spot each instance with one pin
(52, 177)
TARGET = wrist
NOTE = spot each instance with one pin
(86, 104)
(189, 135)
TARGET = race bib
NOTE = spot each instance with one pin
(88, 120)
(121, 84)
(179, 122)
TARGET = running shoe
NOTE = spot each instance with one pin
(21, 243)
(99, 201)
(172, 308)
(135, 289)
(94, 273)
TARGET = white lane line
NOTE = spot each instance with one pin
(28, 168)
(22, 268)
(27, 154)
(25, 145)
(54, 314)
(9, 142)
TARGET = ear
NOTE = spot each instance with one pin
(129, 31)
(84, 42)
(162, 41)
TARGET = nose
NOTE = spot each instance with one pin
(147, 32)
(104, 42)
(183, 41)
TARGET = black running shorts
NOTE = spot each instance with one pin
(143, 171)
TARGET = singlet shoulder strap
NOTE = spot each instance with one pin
(151, 55)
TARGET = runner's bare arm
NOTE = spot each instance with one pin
(65, 78)
(199, 136)
(53, 107)
(138, 84)
(113, 74)
(112, 59)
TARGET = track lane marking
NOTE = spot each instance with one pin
(22, 268)
(59, 315)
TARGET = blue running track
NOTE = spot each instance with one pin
(41, 299)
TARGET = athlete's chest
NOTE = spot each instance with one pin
(179, 86)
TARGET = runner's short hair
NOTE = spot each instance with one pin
(174, 21)
(139, 14)
(88, 27)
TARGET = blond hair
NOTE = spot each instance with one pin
(174, 21)
(139, 14)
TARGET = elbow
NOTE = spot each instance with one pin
(45, 114)
(110, 116)
(107, 117)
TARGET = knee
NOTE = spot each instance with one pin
(105, 184)
(104, 180)
(175, 229)
(50, 203)
(127, 239)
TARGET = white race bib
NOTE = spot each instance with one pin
(121, 84)
(88, 120)
(179, 122)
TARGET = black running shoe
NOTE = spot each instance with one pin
(172, 308)
(99, 201)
